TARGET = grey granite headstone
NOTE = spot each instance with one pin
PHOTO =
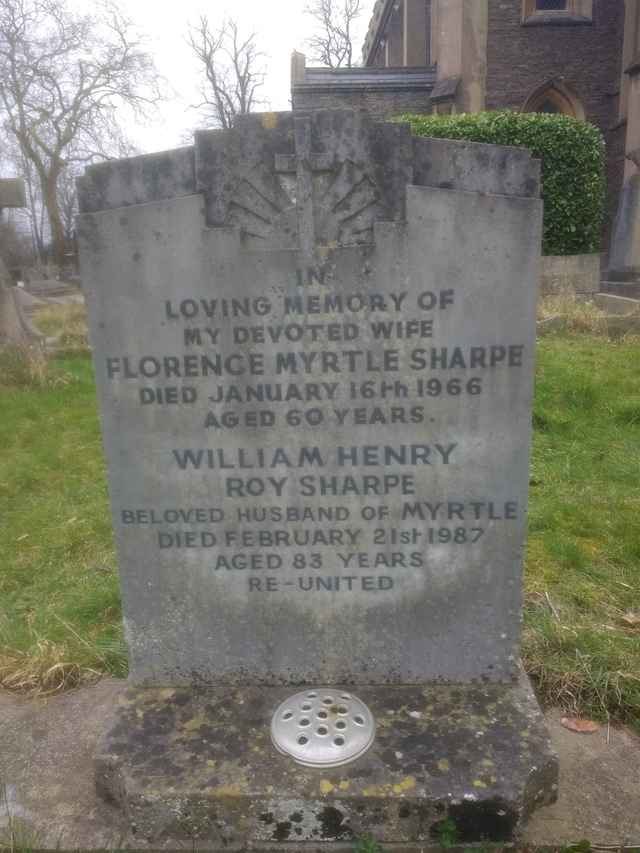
(314, 347)
(317, 410)
(12, 193)
(624, 260)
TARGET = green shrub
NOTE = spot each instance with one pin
(573, 159)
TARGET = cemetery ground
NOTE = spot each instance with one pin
(59, 602)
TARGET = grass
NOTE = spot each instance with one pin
(60, 618)
(572, 315)
(59, 599)
(582, 628)
(23, 367)
(366, 844)
(16, 836)
(67, 323)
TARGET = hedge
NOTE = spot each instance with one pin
(573, 167)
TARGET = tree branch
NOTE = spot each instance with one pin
(331, 43)
(233, 70)
(62, 77)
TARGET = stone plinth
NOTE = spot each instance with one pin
(199, 766)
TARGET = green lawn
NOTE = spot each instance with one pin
(59, 600)
(582, 639)
(59, 603)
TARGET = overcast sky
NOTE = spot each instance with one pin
(281, 26)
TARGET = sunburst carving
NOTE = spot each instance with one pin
(263, 211)
(345, 207)
(349, 207)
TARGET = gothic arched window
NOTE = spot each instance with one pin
(554, 97)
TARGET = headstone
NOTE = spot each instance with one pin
(16, 329)
(624, 260)
(314, 344)
(12, 193)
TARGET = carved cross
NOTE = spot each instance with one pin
(12, 193)
(304, 164)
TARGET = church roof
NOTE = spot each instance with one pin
(379, 18)
(368, 79)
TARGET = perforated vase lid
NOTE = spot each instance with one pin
(323, 727)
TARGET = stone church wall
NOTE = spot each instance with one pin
(381, 105)
(588, 57)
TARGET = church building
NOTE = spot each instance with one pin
(576, 57)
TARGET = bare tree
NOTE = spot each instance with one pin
(68, 201)
(332, 42)
(234, 70)
(63, 77)
(37, 212)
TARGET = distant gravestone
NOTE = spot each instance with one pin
(15, 327)
(624, 257)
(12, 193)
(314, 342)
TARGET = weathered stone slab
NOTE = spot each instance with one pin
(475, 167)
(199, 766)
(628, 289)
(12, 193)
(389, 150)
(137, 180)
(624, 258)
(48, 747)
(308, 452)
(563, 274)
(613, 304)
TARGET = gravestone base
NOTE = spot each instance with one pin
(455, 764)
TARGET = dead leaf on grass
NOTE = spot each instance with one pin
(631, 618)
(583, 727)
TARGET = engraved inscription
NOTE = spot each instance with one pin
(264, 365)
